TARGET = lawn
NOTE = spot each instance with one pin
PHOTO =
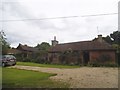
(47, 65)
(14, 78)
(0, 77)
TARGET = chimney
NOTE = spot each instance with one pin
(100, 38)
(54, 37)
(25, 45)
(54, 42)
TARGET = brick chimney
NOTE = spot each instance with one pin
(100, 39)
(54, 42)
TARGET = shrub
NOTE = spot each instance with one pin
(97, 64)
(34, 57)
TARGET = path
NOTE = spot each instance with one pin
(84, 77)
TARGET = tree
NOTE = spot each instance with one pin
(43, 46)
(116, 43)
(43, 51)
(116, 37)
(3, 42)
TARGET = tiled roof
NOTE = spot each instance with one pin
(27, 48)
(83, 45)
(13, 51)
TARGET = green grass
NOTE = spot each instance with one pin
(46, 65)
(14, 78)
(0, 77)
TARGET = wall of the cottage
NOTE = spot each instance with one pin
(53, 58)
(95, 55)
(73, 60)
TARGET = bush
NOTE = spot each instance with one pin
(97, 64)
(35, 57)
(26, 60)
(19, 57)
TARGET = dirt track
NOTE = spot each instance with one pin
(84, 77)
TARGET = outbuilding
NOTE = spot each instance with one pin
(83, 52)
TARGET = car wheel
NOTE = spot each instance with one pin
(14, 64)
(3, 64)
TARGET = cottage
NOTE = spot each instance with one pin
(26, 50)
(84, 52)
(13, 51)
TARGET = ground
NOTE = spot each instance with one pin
(84, 77)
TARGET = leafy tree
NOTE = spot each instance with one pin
(116, 43)
(3, 42)
(43, 46)
(116, 37)
(43, 51)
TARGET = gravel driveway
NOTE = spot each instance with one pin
(84, 77)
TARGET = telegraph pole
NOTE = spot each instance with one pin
(97, 30)
(118, 57)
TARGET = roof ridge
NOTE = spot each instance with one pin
(74, 42)
(26, 47)
(83, 45)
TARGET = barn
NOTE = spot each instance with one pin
(83, 52)
(27, 51)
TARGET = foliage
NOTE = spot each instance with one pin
(116, 37)
(19, 57)
(3, 42)
(41, 56)
(44, 46)
(70, 57)
(14, 78)
(116, 43)
(37, 57)
(46, 65)
(96, 64)
(113, 38)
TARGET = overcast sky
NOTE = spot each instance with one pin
(32, 32)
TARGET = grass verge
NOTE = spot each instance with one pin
(14, 78)
(46, 65)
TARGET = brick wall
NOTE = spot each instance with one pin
(94, 55)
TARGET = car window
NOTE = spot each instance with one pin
(12, 56)
(9, 56)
